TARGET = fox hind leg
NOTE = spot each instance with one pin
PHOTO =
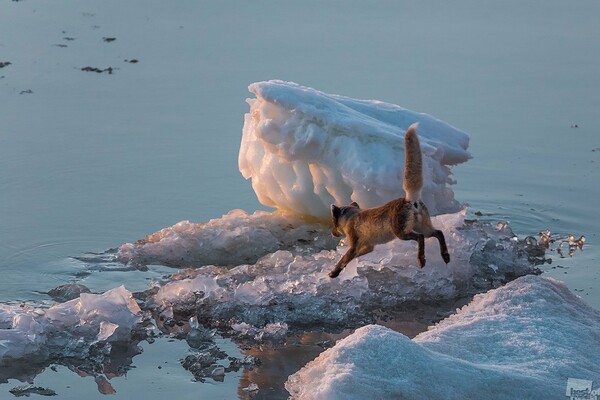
(420, 239)
(439, 235)
(425, 227)
(403, 229)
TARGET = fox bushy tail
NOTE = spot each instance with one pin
(413, 164)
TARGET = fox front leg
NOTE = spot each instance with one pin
(350, 254)
(363, 249)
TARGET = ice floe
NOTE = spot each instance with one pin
(295, 290)
(520, 341)
(68, 329)
(234, 239)
(305, 149)
(259, 277)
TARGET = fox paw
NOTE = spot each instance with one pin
(446, 257)
(334, 273)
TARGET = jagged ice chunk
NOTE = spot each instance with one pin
(305, 149)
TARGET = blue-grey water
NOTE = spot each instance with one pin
(91, 160)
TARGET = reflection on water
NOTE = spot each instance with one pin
(201, 356)
(279, 362)
(104, 362)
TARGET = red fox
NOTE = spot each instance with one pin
(404, 218)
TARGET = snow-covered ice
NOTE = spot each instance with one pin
(305, 149)
(520, 341)
(234, 239)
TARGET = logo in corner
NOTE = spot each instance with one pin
(581, 389)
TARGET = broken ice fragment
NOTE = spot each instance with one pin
(198, 338)
(107, 329)
(293, 291)
(203, 364)
(218, 371)
(252, 387)
(67, 329)
(546, 237)
(67, 292)
(501, 225)
(28, 390)
(193, 322)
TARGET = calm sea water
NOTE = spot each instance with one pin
(89, 161)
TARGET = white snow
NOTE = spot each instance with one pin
(521, 341)
(305, 149)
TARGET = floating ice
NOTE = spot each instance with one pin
(305, 149)
(236, 238)
(547, 239)
(203, 363)
(28, 390)
(295, 290)
(252, 387)
(259, 276)
(67, 329)
(521, 341)
(284, 291)
(67, 292)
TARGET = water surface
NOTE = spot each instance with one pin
(91, 160)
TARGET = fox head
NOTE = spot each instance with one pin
(339, 216)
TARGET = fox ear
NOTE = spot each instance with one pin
(355, 204)
(335, 211)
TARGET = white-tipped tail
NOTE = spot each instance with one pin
(413, 164)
